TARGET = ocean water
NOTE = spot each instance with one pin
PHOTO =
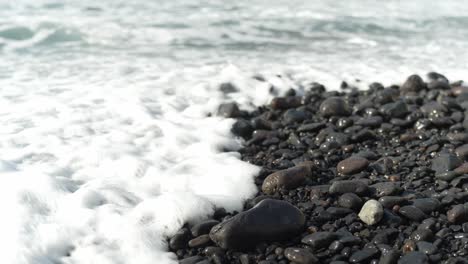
(105, 144)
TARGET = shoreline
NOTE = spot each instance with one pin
(353, 176)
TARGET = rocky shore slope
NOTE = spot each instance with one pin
(350, 176)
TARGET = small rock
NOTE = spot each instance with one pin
(422, 235)
(203, 227)
(244, 259)
(389, 257)
(180, 239)
(385, 189)
(200, 241)
(462, 152)
(414, 83)
(426, 247)
(414, 257)
(300, 256)
(229, 110)
(447, 175)
(370, 121)
(462, 169)
(242, 128)
(461, 137)
(191, 260)
(349, 186)
(459, 213)
(319, 240)
(334, 106)
(285, 102)
(390, 201)
(228, 87)
(412, 212)
(371, 212)
(350, 200)
(269, 220)
(292, 116)
(398, 109)
(427, 205)
(364, 255)
(313, 127)
(409, 246)
(287, 179)
(338, 212)
(445, 162)
(352, 165)
(209, 251)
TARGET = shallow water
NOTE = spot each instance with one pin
(105, 149)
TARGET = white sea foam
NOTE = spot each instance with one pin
(109, 182)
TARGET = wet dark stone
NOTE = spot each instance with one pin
(426, 247)
(313, 127)
(422, 235)
(270, 220)
(458, 213)
(364, 255)
(461, 137)
(180, 239)
(383, 165)
(371, 121)
(390, 201)
(340, 138)
(435, 76)
(351, 201)
(191, 260)
(205, 261)
(200, 241)
(434, 110)
(285, 102)
(229, 110)
(445, 162)
(352, 165)
(261, 135)
(244, 259)
(287, 179)
(336, 246)
(389, 257)
(319, 240)
(385, 189)
(462, 152)
(209, 251)
(397, 109)
(334, 106)
(349, 186)
(350, 240)
(369, 155)
(413, 213)
(338, 212)
(462, 169)
(427, 205)
(413, 83)
(415, 257)
(292, 116)
(344, 123)
(203, 228)
(300, 256)
(447, 175)
(242, 128)
(228, 87)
